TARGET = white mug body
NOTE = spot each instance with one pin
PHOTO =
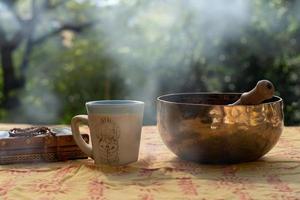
(115, 129)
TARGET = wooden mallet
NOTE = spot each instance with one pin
(263, 90)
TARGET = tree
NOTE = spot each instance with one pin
(26, 36)
(268, 51)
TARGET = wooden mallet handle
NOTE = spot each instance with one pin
(263, 90)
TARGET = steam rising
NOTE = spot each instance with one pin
(39, 104)
(156, 39)
(166, 35)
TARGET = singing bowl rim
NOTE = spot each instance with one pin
(160, 99)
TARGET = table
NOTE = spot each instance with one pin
(159, 174)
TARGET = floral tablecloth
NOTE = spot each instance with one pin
(160, 175)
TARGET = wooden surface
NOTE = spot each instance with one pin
(159, 174)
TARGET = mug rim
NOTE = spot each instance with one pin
(114, 103)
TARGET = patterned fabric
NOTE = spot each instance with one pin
(160, 175)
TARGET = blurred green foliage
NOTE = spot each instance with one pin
(141, 49)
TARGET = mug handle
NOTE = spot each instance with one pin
(76, 121)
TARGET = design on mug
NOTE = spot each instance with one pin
(108, 139)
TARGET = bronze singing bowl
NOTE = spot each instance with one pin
(202, 127)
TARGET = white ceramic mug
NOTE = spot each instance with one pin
(115, 130)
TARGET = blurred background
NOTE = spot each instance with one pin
(57, 54)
